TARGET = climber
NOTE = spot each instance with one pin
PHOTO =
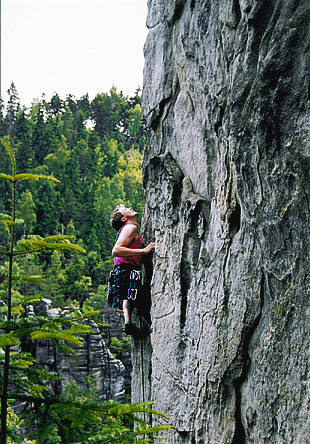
(127, 253)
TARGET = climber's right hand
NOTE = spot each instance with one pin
(149, 247)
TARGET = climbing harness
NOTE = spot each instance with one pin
(124, 283)
(134, 284)
(114, 285)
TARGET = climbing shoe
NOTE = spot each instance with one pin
(145, 331)
(132, 330)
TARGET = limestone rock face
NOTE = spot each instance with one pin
(226, 99)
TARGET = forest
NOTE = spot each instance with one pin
(66, 164)
(95, 150)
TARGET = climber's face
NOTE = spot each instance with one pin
(128, 213)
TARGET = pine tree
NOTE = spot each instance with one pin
(3, 126)
(40, 137)
(22, 141)
(26, 211)
(47, 200)
(56, 105)
(135, 129)
(83, 104)
(14, 327)
(13, 109)
(107, 110)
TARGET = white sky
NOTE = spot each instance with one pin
(72, 47)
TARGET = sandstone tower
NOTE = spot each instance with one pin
(226, 99)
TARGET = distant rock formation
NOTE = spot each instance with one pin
(226, 99)
(93, 359)
(114, 319)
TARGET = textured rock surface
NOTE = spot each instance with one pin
(227, 102)
(93, 359)
(115, 320)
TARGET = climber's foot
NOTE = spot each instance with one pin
(132, 330)
(145, 331)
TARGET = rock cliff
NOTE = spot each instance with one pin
(226, 99)
(93, 359)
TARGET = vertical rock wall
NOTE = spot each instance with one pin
(226, 98)
(93, 359)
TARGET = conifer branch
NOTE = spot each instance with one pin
(34, 177)
(6, 177)
(11, 154)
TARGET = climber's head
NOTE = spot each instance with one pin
(121, 215)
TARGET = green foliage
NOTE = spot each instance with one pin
(20, 378)
(14, 424)
(120, 345)
(95, 151)
(26, 211)
(13, 109)
(78, 418)
(97, 300)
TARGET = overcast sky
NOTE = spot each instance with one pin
(72, 46)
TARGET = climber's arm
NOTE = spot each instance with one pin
(128, 234)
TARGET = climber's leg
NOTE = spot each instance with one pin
(127, 311)
(130, 329)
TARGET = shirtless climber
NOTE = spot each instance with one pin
(127, 254)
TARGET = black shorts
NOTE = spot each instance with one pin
(124, 283)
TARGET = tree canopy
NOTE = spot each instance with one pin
(95, 149)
